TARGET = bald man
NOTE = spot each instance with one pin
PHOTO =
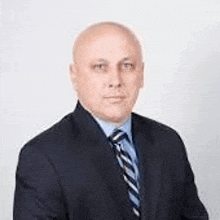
(103, 162)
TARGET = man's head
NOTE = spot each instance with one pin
(107, 70)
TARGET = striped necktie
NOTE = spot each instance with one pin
(128, 169)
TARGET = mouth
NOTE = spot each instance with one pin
(115, 99)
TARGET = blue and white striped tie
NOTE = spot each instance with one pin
(129, 172)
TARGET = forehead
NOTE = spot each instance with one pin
(106, 42)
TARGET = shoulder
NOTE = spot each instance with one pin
(161, 138)
(152, 124)
(53, 137)
(157, 130)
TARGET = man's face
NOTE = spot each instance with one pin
(108, 73)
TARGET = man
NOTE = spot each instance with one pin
(102, 161)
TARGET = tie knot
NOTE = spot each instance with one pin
(117, 136)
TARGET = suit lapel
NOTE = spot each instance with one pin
(108, 168)
(150, 167)
(99, 150)
(102, 156)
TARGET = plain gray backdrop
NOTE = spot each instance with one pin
(182, 85)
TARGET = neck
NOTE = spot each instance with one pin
(115, 124)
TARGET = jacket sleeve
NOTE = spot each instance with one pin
(193, 209)
(38, 193)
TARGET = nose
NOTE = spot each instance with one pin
(115, 79)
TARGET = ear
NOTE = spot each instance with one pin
(73, 73)
(142, 75)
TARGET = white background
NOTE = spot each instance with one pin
(182, 50)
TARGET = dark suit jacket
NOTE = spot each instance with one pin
(70, 172)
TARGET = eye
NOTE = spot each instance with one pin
(128, 66)
(99, 67)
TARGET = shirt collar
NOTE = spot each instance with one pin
(108, 128)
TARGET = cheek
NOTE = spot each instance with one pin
(89, 87)
(133, 84)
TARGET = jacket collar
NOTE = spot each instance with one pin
(150, 160)
(102, 156)
(97, 145)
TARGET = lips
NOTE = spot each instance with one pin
(115, 98)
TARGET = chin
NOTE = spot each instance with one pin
(112, 115)
(117, 117)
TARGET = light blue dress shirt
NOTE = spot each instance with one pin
(108, 129)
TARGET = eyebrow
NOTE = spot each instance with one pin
(126, 58)
(101, 60)
(104, 60)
